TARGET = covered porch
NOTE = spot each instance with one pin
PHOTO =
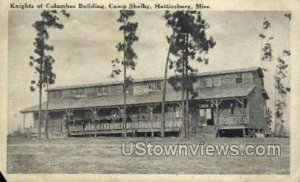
(210, 111)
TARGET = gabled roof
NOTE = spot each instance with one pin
(156, 97)
(159, 78)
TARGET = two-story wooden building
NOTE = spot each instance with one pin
(228, 103)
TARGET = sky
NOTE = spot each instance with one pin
(83, 50)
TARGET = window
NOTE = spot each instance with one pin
(232, 108)
(140, 89)
(59, 94)
(205, 113)
(158, 85)
(177, 112)
(101, 91)
(202, 112)
(239, 78)
(171, 112)
(78, 93)
(151, 87)
(208, 113)
(247, 77)
(115, 89)
(206, 117)
(56, 94)
(155, 86)
(217, 81)
(208, 82)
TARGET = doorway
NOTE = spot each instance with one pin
(206, 117)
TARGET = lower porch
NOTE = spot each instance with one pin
(205, 117)
(139, 128)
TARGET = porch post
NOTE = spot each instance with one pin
(243, 115)
(241, 101)
(151, 118)
(248, 110)
(68, 120)
(151, 109)
(187, 117)
(69, 113)
(121, 110)
(94, 112)
(183, 115)
(218, 123)
(217, 103)
(61, 125)
(24, 117)
(181, 105)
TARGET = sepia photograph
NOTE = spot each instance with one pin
(177, 90)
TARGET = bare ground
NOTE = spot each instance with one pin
(104, 155)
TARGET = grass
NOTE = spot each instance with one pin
(104, 155)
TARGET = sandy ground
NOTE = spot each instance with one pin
(104, 155)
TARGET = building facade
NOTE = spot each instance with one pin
(227, 103)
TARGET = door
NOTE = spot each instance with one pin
(206, 117)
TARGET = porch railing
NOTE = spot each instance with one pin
(170, 123)
(231, 121)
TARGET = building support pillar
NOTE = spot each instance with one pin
(69, 113)
(94, 112)
(216, 103)
(124, 124)
(243, 116)
(218, 118)
(151, 109)
(242, 102)
(61, 125)
(24, 119)
(181, 105)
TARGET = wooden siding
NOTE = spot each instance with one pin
(223, 80)
(56, 125)
(142, 88)
(254, 114)
(256, 110)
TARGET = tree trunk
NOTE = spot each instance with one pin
(124, 106)
(124, 88)
(41, 86)
(275, 117)
(163, 121)
(187, 91)
(40, 109)
(47, 105)
(261, 51)
(182, 97)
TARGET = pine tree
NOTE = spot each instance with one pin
(43, 63)
(280, 76)
(282, 89)
(129, 37)
(188, 42)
